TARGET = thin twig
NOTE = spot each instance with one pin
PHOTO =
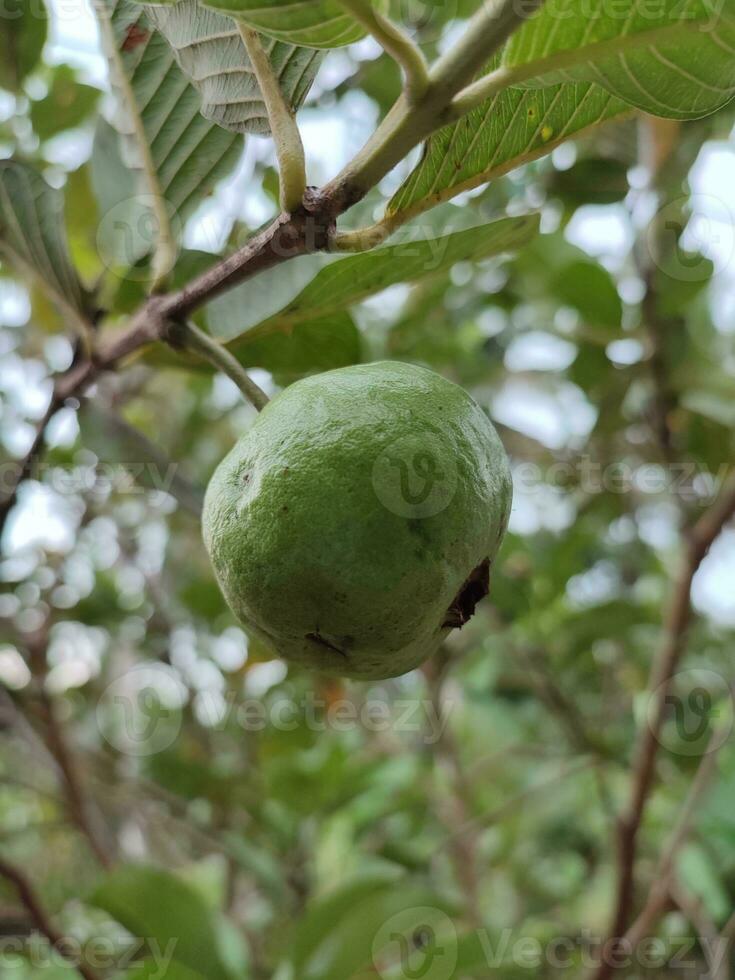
(664, 876)
(492, 817)
(664, 667)
(710, 941)
(26, 466)
(286, 136)
(190, 337)
(40, 917)
(458, 808)
(55, 737)
(78, 806)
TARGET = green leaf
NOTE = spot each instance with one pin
(314, 345)
(313, 23)
(323, 914)
(23, 35)
(344, 283)
(155, 905)
(67, 104)
(595, 180)
(33, 238)
(512, 128)
(590, 289)
(210, 52)
(362, 930)
(173, 155)
(670, 58)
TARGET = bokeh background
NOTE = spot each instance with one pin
(276, 821)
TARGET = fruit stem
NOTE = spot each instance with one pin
(194, 339)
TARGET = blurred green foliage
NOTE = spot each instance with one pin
(274, 823)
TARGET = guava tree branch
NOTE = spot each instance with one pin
(34, 906)
(308, 228)
(287, 237)
(80, 810)
(697, 543)
(664, 878)
(410, 122)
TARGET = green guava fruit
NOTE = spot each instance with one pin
(354, 525)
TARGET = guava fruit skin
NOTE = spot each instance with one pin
(308, 555)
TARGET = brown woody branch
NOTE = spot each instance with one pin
(307, 230)
(310, 227)
(80, 811)
(40, 917)
(697, 543)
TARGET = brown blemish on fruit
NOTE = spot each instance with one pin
(476, 587)
(316, 637)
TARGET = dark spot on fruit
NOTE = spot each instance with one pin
(246, 478)
(316, 637)
(476, 587)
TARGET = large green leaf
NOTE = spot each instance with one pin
(175, 155)
(155, 905)
(513, 127)
(33, 239)
(367, 930)
(209, 50)
(22, 37)
(323, 914)
(353, 279)
(314, 23)
(673, 58)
